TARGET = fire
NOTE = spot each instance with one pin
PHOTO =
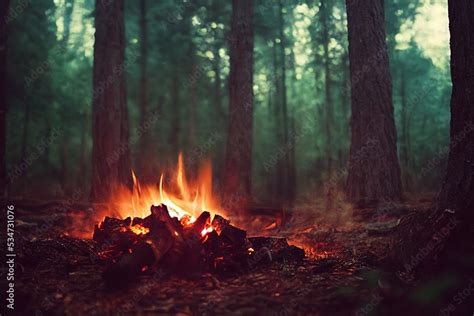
(185, 198)
(139, 229)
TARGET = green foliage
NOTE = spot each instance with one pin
(188, 63)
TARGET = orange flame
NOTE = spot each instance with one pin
(185, 199)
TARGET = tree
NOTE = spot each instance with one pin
(65, 137)
(325, 12)
(143, 89)
(3, 95)
(237, 179)
(110, 150)
(458, 186)
(374, 171)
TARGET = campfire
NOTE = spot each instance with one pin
(174, 238)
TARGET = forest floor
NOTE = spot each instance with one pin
(348, 270)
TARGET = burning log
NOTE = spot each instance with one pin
(182, 246)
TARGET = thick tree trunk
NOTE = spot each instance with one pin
(450, 229)
(83, 162)
(238, 170)
(143, 159)
(173, 139)
(344, 109)
(374, 171)
(325, 13)
(3, 95)
(110, 150)
(64, 171)
(457, 191)
(25, 132)
(405, 133)
(193, 97)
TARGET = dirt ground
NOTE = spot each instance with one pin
(350, 269)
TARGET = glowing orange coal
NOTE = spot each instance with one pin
(139, 229)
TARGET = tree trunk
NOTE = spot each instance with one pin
(64, 141)
(144, 159)
(237, 181)
(405, 138)
(173, 139)
(288, 185)
(25, 132)
(458, 186)
(217, 85)
(344, 109)
(110, 131)
(4, 5)
(374, 170)
(192, 94)
(325, 13)
(83, 162)
(451, 227)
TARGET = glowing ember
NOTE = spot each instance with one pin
(206, 231)
(139, 229)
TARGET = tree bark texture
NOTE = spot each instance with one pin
(374, 170)
(110, 131)
(238, 167)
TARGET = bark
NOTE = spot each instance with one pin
(64, 141)
(144, 142)
(110, 131)
(450, 228)
(217, 84)
(237, 180)
(344, 108)
(458, 186)
(325, 12)
(173, 139)
(374, 171)
(193, 106)
(405, 136)
(25, 132)
(83, 152)
(4, 5)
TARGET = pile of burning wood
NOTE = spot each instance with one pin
(182, 246)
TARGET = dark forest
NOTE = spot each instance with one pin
(244, 157)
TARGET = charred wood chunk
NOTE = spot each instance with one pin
(161, 240)
(268, 242)
(213, 244)
(110, 223)
(234, 236)
(278, 247)
(129, 266)
(219, 223)
(201, 222)
(292, 253)
(160, 213)
(230, 264)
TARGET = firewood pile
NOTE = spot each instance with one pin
(131, 247)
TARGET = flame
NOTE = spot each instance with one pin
(185, 198)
